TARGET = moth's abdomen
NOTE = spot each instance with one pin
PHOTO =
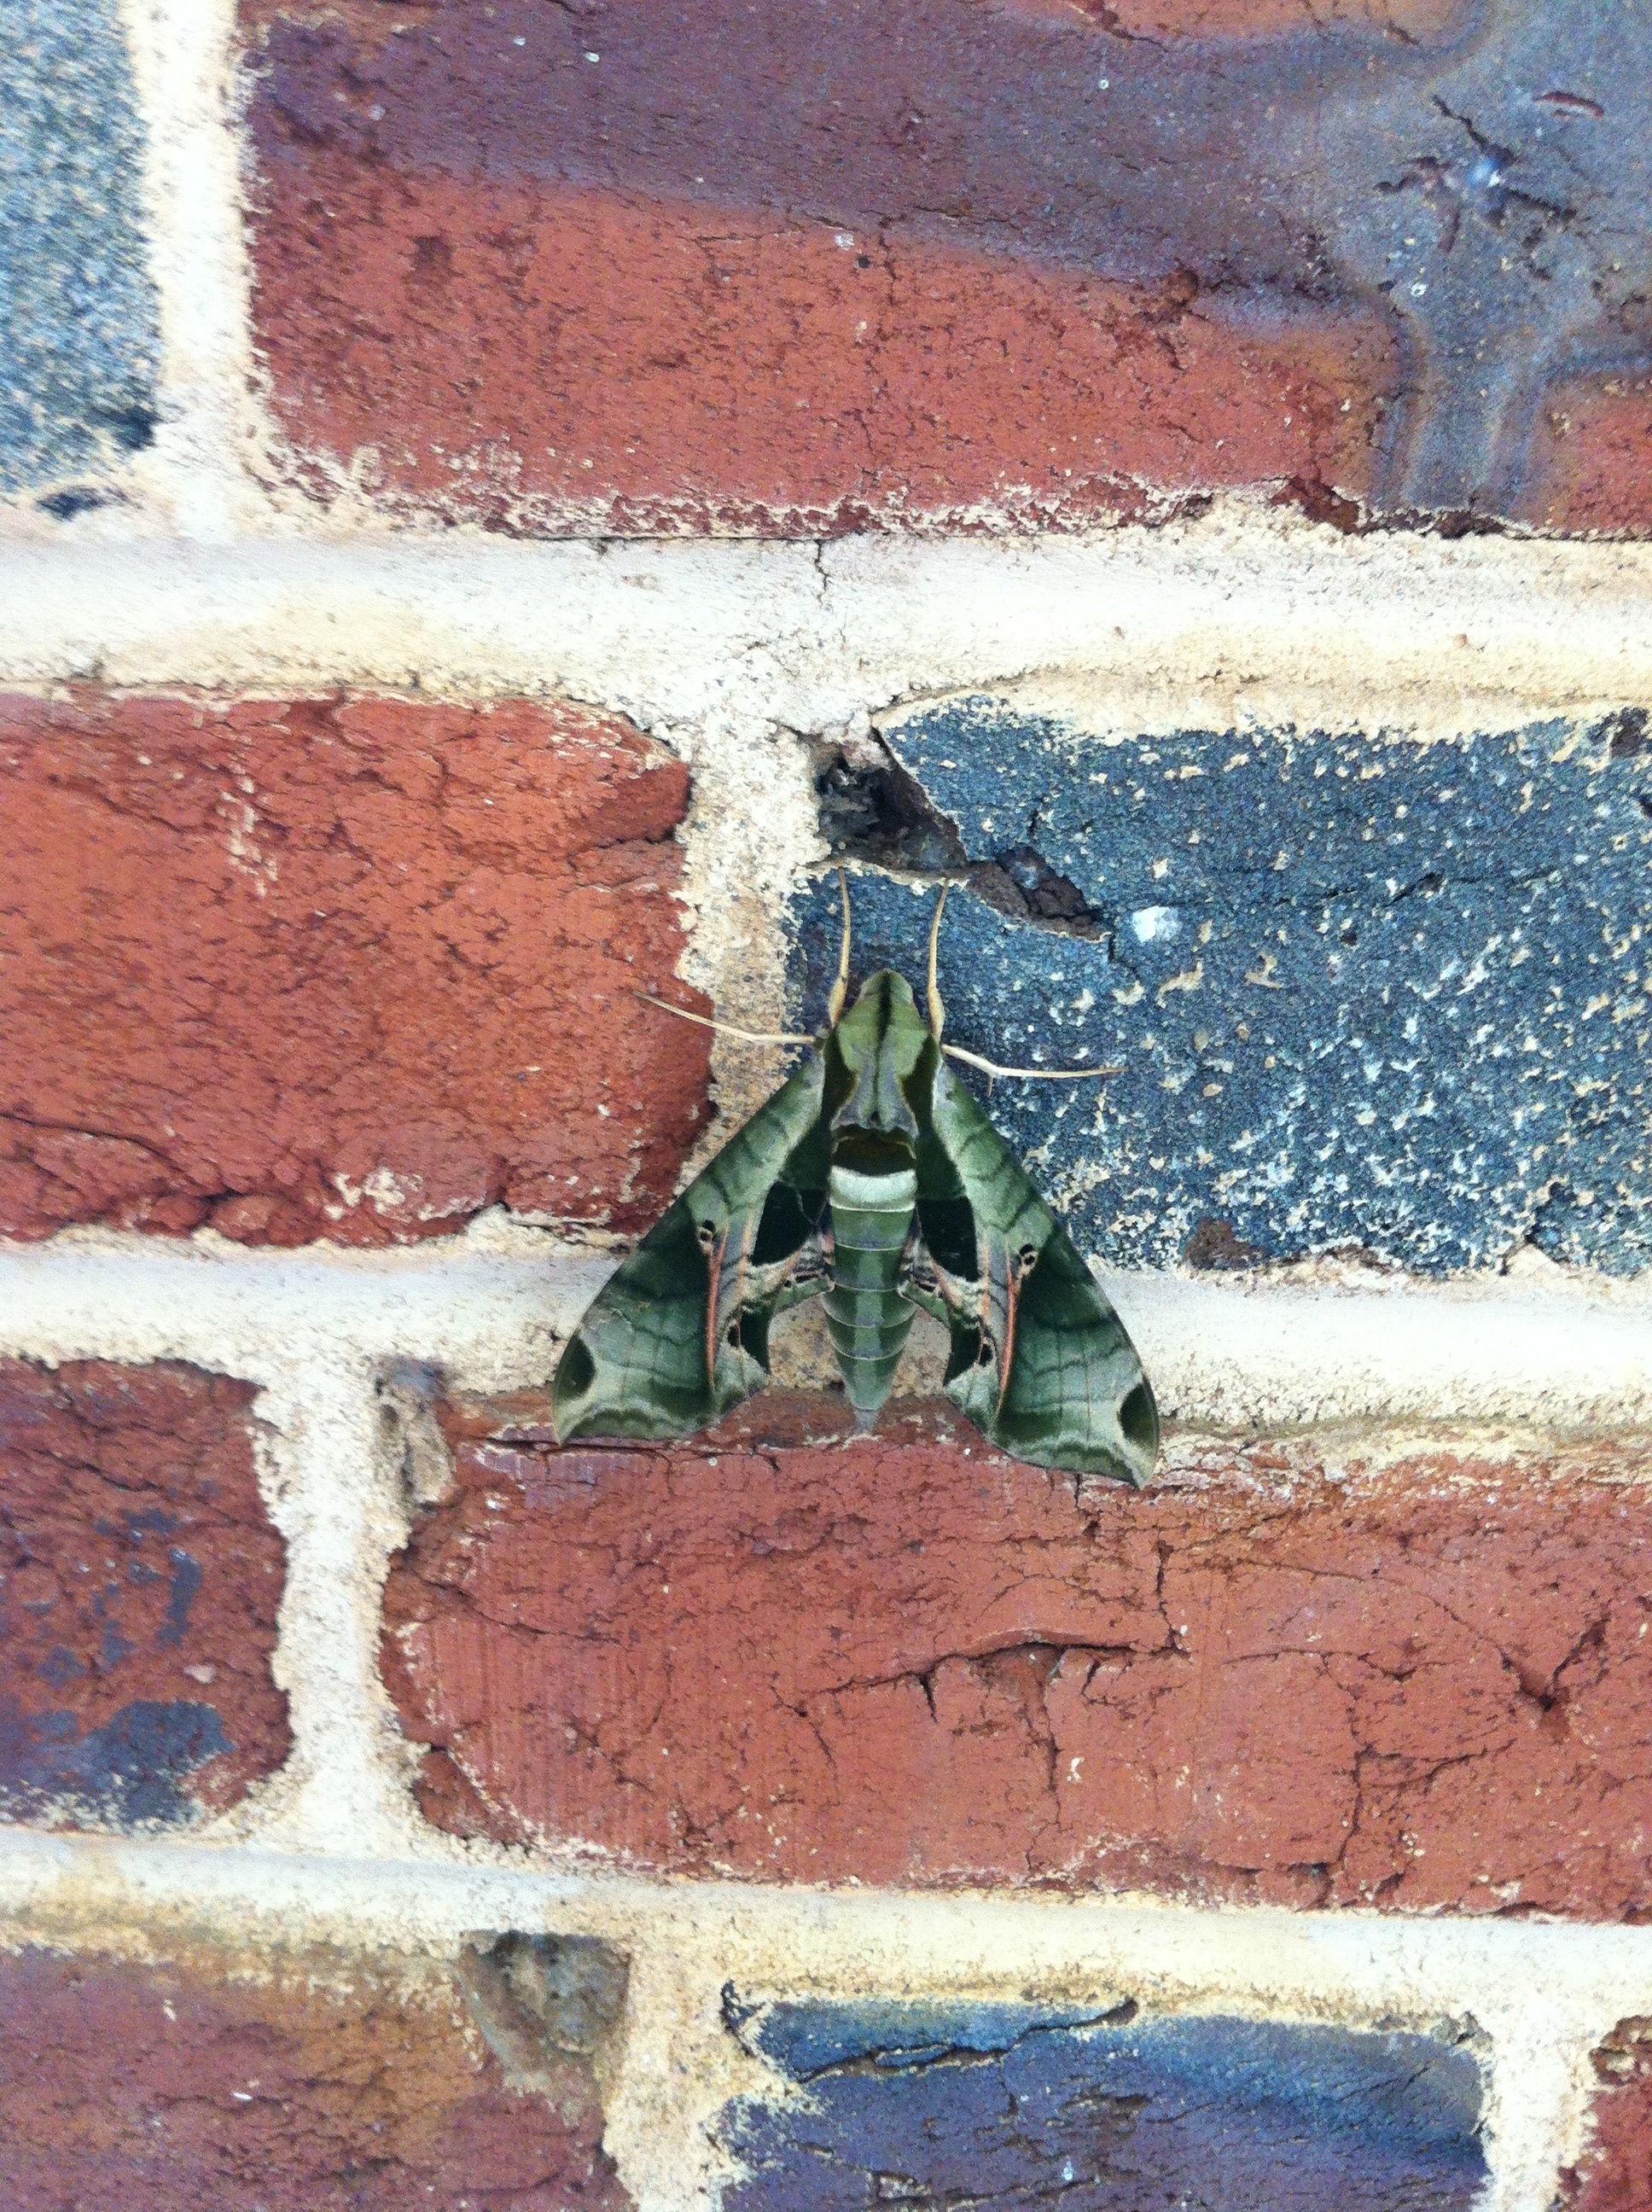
(867, 1317)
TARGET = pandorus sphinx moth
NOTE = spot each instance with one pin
(872, 1180)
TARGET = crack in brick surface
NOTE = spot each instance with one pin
(1278, 1676)
(350, 968)
(1367, 994)
(945, 2103)
(1416, 240)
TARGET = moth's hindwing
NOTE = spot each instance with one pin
(1040, 1362)
(680, 1334)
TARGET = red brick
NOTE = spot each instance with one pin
(1594, 456)
(1281, 1674)
(353, 969)
(1615, 2172)
(546, 359)
(803, 265)
(319, 2085)
(139, 1582)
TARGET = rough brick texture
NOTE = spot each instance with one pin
(1279, 1674)
(139, 1580)
(1010, 2104)
(319, 2087)
(344, 969)
(78, 353)
(810, 266)
(1615, 2172)
(1368, 993)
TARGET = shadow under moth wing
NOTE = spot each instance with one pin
(872, 1176)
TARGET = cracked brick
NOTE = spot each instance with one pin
(810, 269)
(315, 2082)
(140, 1579)
(1288, 1672)
(992, 2103)
(1358, 993)
(354, 969)
(1614, 2173)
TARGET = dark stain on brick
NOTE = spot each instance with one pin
(1014, 2104)
(1375, 994)
(1214, 1250)
(1628, 736)
(139, 1585)
(133, 1772)
(1495, 219)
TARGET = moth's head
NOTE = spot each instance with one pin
(884, 1017)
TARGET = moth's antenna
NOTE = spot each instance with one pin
(723, 1029)
(936, 1010)
(841, 988)
(1027, 1074)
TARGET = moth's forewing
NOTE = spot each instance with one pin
(678, 1335)
(1040, 1362)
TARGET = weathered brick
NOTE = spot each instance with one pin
(78, 353)
(665, 393)
(1615, 2172)
(139, 1582)
(314, 2084)
(1012, 2104)
(1593, 456)
(815, 267)
(1361, 992)
(353, 969)
(1281, 1673)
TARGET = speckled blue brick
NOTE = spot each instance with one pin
(1363, 992)
(78, 319)
(1001, 2107)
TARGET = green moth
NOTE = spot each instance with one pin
(872, 1180)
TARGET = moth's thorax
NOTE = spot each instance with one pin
(879, 1043)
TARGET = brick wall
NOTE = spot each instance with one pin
(493, 502)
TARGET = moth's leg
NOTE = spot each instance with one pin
(936, 1010)
(840, 988)
(916, 1279)
(788, 1282)
(925, 1296)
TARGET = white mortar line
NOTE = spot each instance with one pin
(331, 1487)
(1237, 617)
(183, 64)
(752, 831)
(1558, 1352)
(1543, 1993)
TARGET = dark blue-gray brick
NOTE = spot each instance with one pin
(1003, 2105)
(78, 319)
(1364, 993)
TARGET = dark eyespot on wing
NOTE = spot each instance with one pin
(578, 1369)
(1138, 1418)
